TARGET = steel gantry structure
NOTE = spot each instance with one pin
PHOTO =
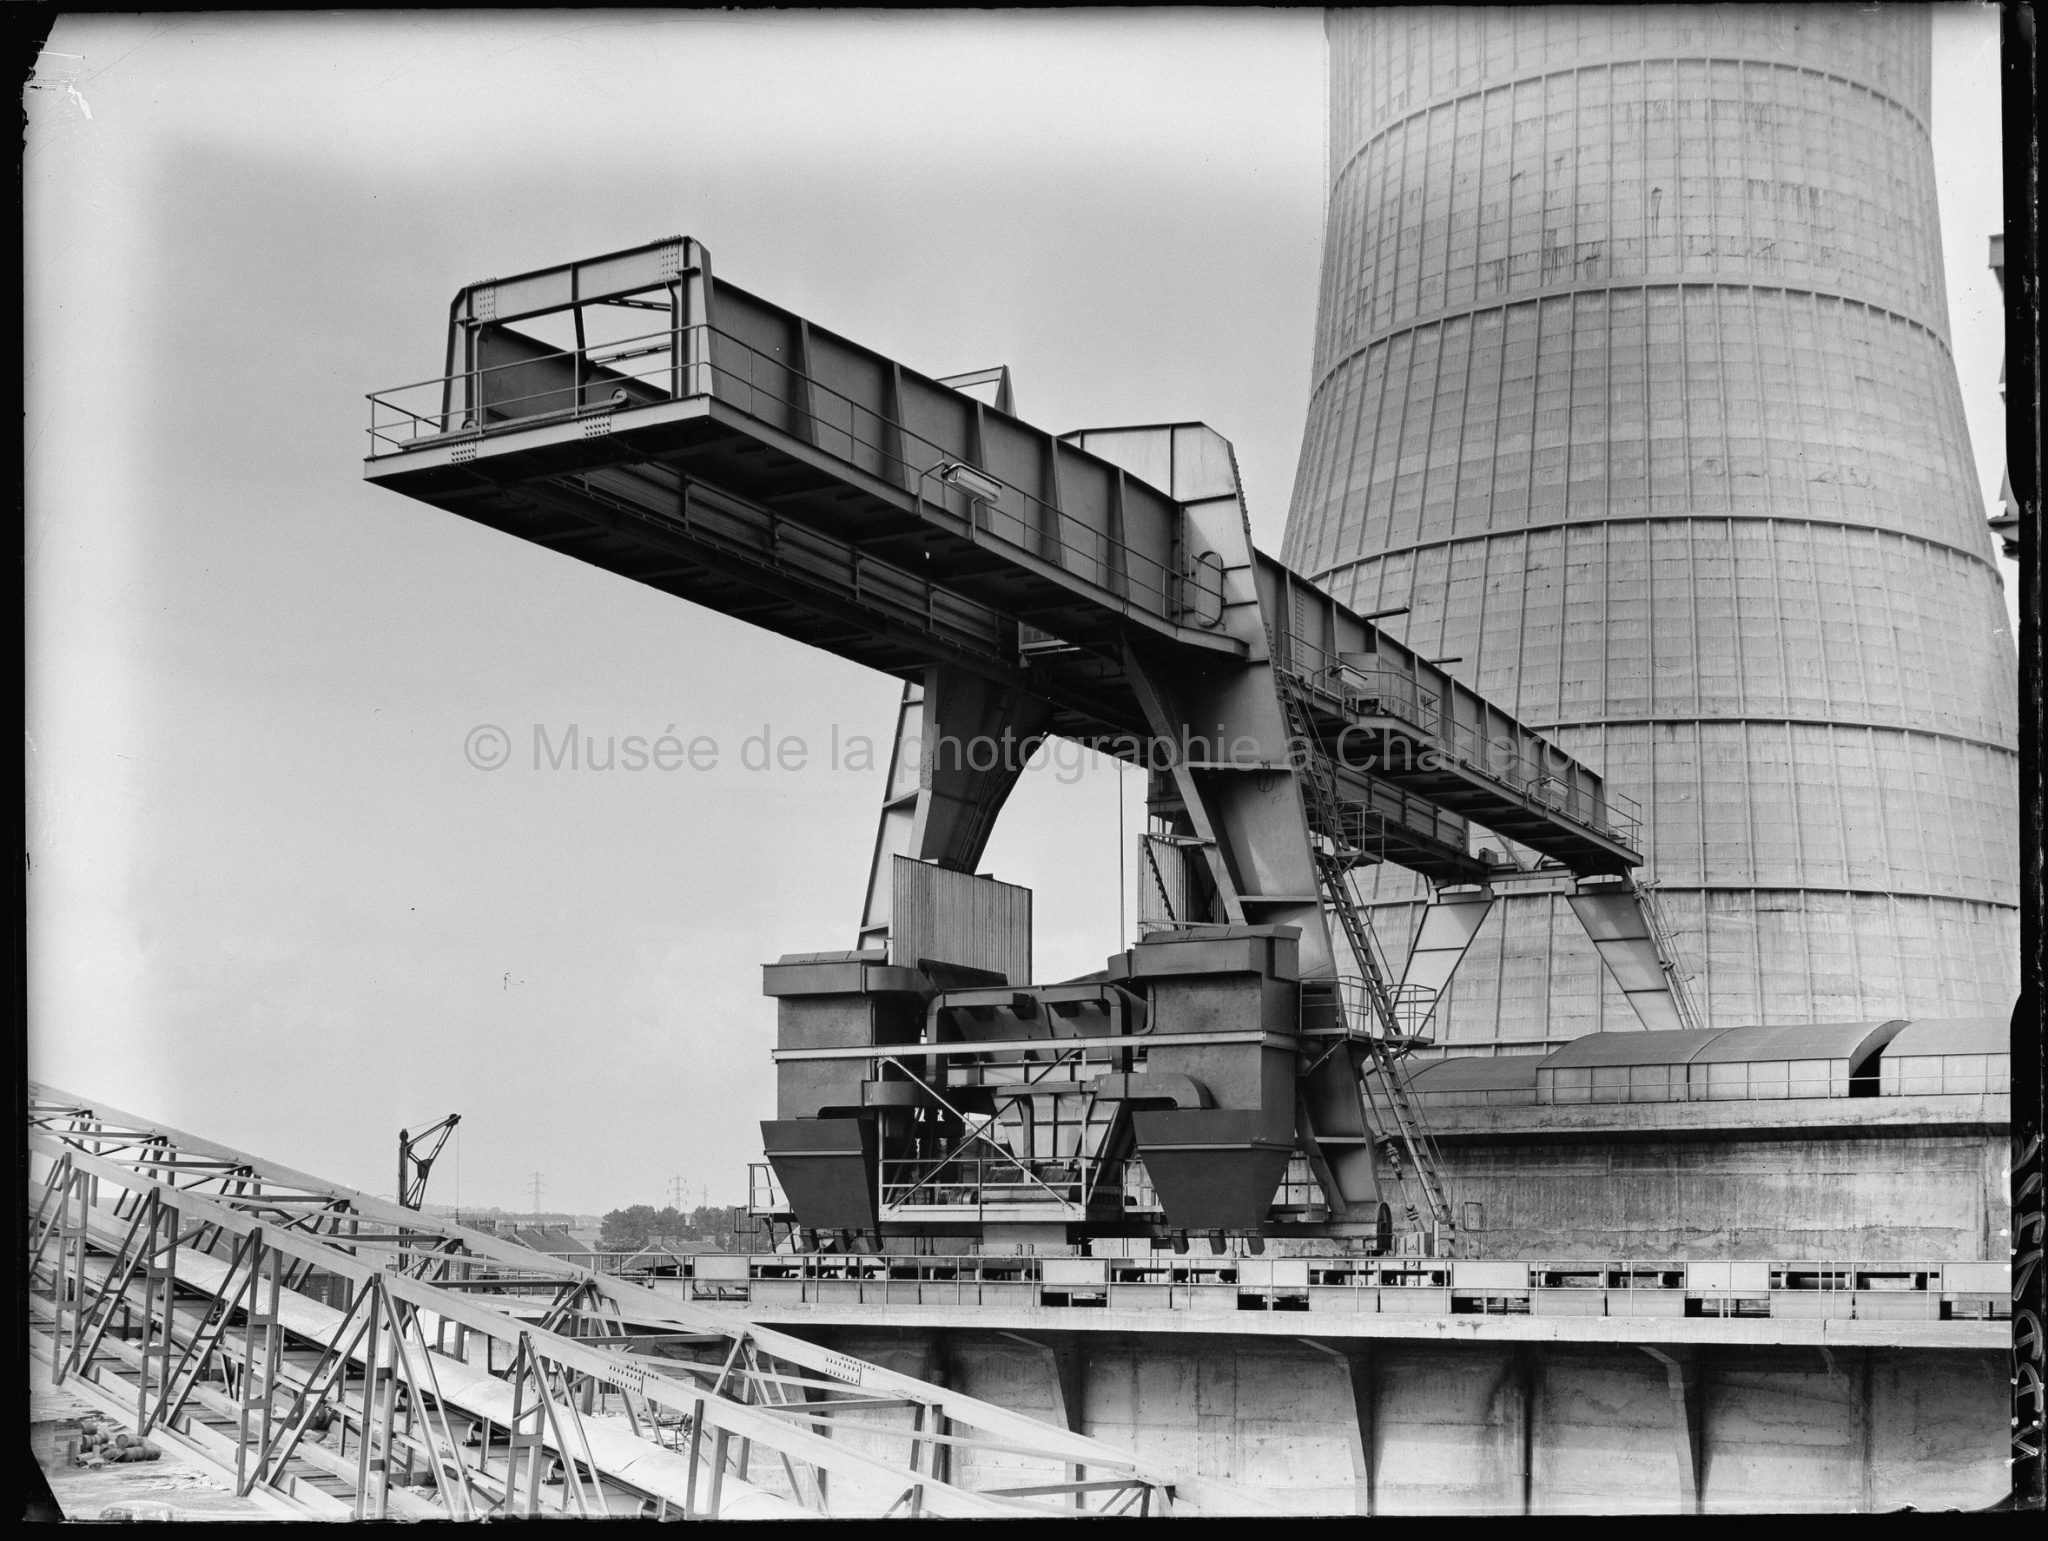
(635, 413)
(339, 1356)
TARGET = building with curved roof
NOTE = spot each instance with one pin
(1894, 1058)
(1969, 1057)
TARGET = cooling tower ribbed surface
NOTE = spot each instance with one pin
(1632, 378)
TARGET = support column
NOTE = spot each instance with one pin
(938, 805)
(1624, 931)
(1527, 1387)
(1867, 1409)
(1681, 1374)
(1069, 1370)
(938, 1370)
(1362, 1373)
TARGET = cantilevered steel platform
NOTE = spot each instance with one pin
(742, 458)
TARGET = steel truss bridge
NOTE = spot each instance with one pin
(337, 1356)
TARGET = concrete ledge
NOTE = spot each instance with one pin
(1790, 1118)
(1818, 1332)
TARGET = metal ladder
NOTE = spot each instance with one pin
(1667, 952)
(1392, 1111)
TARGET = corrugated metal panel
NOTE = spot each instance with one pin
(958, 918)
(1478, 1072)
(1954, 1035)
(1631, 1049)
(1850, 1041)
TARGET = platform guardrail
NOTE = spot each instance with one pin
(1862, 1291)
(1402, 698)
(777, 394)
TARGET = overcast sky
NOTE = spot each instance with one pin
(270, 899)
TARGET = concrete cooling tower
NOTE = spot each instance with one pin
(1632, 381)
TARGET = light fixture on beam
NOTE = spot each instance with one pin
(977, 485)
(1380, 615)
(1455, 658)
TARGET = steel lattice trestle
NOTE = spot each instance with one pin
(466, 1377)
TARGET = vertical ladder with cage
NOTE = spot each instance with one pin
(1334, 837)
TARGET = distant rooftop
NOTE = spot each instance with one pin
(551, 1239)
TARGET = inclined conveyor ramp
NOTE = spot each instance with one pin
(186, 1288)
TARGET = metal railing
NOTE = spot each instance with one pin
(1413, 1005)
(732, 370)
(1402, 697)
(403, 417)
(1586, 1086)
(923, 1183)
(1951, 1083)
(1392, 1284)
(765, 1197)
(1730, 1081)
(983, 1182)
(1351, 1013)
(1389, 807)
(1666, 942)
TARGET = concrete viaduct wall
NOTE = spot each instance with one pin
(1937, 1197)
(1485, 1428)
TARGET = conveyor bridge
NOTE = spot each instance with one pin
(338, 1356)
(1101, 585)
(736, 455)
